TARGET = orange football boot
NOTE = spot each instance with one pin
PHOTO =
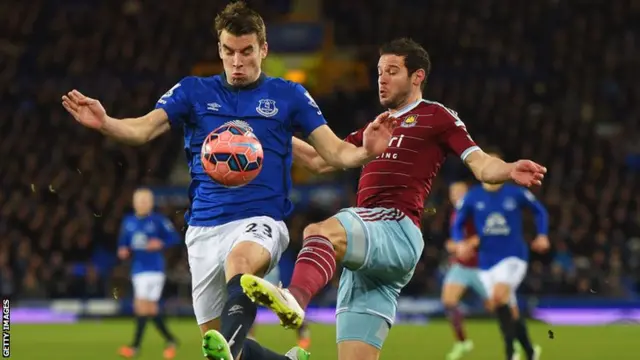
(170, 352)
(127, 352)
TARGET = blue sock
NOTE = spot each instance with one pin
(238, 315)
(254, 351)
(141, 324)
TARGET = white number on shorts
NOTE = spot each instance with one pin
(266, 229)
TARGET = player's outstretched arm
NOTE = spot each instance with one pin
(491, 170)
(336, 152)
(134, 131)
(307, 156)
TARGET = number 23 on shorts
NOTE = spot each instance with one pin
(259, 230)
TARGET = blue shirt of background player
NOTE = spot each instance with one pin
(497, 216)
(135, 233)
(274, 108)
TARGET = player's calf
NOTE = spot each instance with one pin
(239, 312)
(324, 244)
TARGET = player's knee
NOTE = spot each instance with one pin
(501, 294)
(247, 258)
(330, 229)
(348, 350)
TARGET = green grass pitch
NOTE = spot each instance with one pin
(99, 340)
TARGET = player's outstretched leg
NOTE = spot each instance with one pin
(451, 294)
(314, 268)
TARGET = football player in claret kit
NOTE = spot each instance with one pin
(143, 237)
(379, 242)
(241, 230)
(462, 274)
(496, 210)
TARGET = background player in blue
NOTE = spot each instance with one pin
(236, 231)
(143, 236)
(502, 250)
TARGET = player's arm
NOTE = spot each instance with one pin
(540, 213)
(307, 156)
(172, 109)
(124, 241)
(170, 235)
(489, 169)
(335, 152)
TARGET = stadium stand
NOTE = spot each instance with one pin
(539, 79)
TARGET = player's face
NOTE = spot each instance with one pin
(241, 57)
(457, 191)
(394, 82)
(143, 201)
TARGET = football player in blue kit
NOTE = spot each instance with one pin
(496, 211)
(143, 236)
(236, 231)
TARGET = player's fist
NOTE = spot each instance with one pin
(87, 111)
(154, 245)
(464, 250)
(378, 133)
(527, 173)
(540, 244)
(123, 253)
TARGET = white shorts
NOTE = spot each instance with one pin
(208, 248)
(148, 286)
(510, 271)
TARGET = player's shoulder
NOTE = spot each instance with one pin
(431, 113)
(284, 86)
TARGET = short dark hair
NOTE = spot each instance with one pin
(238, 19)
(415, 56)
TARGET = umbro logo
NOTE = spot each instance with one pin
(236, 309)
(213, 106)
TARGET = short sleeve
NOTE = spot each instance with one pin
(454, 133)
(176, 104)
(307, 115)
(355, 137)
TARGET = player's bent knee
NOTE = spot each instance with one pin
(247, 257)
(330, 229)
(210, 325)
(451, 294)
(501, 294)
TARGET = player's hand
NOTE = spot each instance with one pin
(527, 173)
(123, 253)
(87, 111)
(154, 245)
(464, 250)
(541, 244)
(378, 133)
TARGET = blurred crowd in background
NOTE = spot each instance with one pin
(548, 80)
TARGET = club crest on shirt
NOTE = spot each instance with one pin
(267, 108)
(409, 121)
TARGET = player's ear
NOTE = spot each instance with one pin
(418, 77)
(264, 50)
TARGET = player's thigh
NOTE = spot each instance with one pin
(206, 249)
(381, 241)
(360, 335)
(333, 230)
(456, 282)
(508, 274)
(148, 287)
(258, 244)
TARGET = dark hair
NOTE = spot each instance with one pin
(238, 19)
(415, 56)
